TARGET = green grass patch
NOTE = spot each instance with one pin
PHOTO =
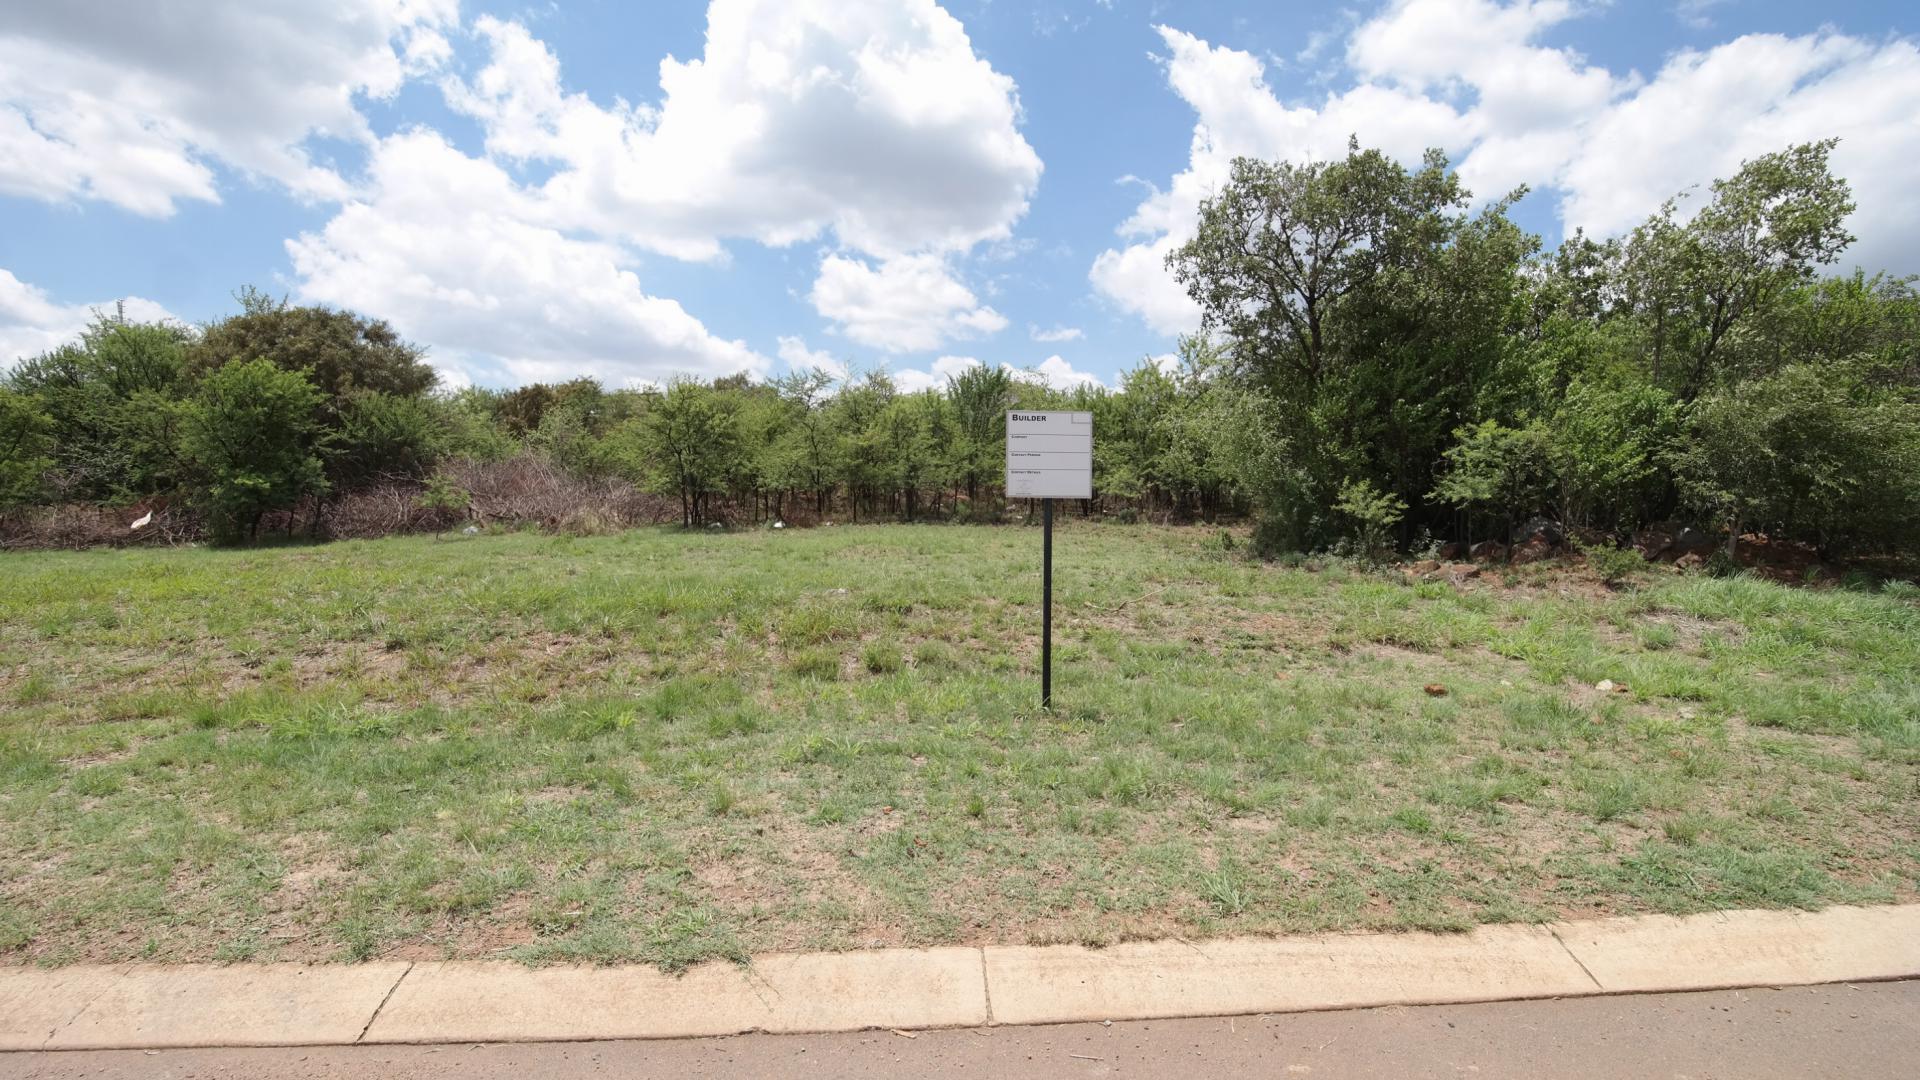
(666, 747)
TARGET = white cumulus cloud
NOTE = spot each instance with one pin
(914, 380)
(871, 118)
(798, 357)
(908, 303)
(449, 249)
(1472, 78)
(1058, 333)
(135, 104)
(1057, 373)
(31, 322)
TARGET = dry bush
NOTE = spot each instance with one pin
(520, 491)
(531, 490)
(83, 525)
(388, 508)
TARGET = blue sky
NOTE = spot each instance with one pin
(531, 193)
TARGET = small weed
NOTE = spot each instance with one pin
(1684, 830)
(1226, 888)
(822, 664)
(1414, 820)
(882, 658)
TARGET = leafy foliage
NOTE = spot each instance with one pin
(24, 445)
(1374, 514)
(342, 354)
(252, 436)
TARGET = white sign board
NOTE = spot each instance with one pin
(1049, 455)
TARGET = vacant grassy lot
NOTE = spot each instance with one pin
(664, 747)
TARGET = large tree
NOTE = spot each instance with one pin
(1364, 301)
(1765, 232)
(111, 400)
(691, 442)
(342, 354)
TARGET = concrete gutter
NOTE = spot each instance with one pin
(151, 1007)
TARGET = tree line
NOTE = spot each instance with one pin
(278, 411)
(1384, 364)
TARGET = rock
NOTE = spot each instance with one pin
(1539, 528)
(1689, 562)
(1487, 551)
(1534, 550)
(1690, 539)
(1605, 686)
(1652, 543)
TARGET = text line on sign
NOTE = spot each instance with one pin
(1049, 455)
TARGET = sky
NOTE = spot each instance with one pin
(638, 190)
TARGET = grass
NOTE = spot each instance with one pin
(666, 747)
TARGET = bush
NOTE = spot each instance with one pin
(385, 436)
(25, 439)
(252, 435)
(1802, 455)
(1373, 515)
(446, 500)
(1604, 448)
(1613, 564)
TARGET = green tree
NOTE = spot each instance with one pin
(342, 354)
(25, 439)
(254, 439)
(1605, 447)
(1368, 306)
(807, 454)
(1804, 455)
(1498, 470)
(112, 400)
(1374, 515)
(1765, 231)
(386, 436)
(690, 445)
(981, 396)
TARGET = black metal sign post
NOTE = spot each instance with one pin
(1049, 456)
(1046, 605)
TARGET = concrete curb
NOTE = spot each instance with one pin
(144, 1007)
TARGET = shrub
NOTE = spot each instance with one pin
(882, 657)
(252, 435)
(1803, 455)
(1373, 515)
(25, 439)
(1613, 564)
(823, 664)
(1496, 469)
(446, 500)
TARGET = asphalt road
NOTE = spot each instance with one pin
(1857, 1031)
